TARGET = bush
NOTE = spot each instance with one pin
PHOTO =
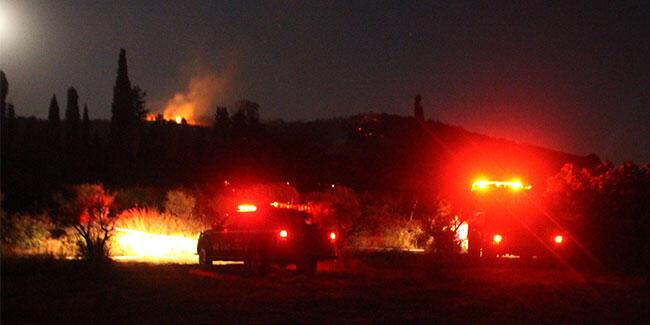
(36, 235)
(26, 231)
(607, 209)
(91, 212)
(442, 224)
(340, 208)
(180, 204)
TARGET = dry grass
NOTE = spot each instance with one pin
(156, 222)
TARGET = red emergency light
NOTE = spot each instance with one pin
(484, 185)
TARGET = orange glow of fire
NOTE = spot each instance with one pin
(178, 119)
(135, 245)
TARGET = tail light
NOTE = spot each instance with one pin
(497, 239)
(559, 239)
(332, 236)
(283, 233)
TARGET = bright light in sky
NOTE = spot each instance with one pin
(4, 20)
(7, 22)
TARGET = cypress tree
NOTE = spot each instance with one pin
(10, 121)
(123, 109)
(72, 120)
(85, 126)
(53, 127)
(53, 142)
(71, 137)
(124, 140)
(53, 117)
(417, 109)
(4, 89)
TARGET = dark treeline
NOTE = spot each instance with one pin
(370, 152)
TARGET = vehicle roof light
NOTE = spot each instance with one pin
(483, 185)
(246, 208)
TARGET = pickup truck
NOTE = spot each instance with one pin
(271, 234)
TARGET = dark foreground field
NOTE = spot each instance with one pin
(374, 289)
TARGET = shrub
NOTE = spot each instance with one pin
(180, 204)
(26, 231)
(338, 207)
(442, 224)
(36, 235)
(92, 215)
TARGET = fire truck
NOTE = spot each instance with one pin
(508, 224)
(262, 235)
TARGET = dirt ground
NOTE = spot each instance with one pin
(359, 290)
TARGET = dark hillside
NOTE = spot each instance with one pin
(369, 152)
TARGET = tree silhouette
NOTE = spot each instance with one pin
(249, 111)
(4, 89)
(122, 109)
(72, 119)
(417, 107)
(53, 116)
(85, 127)
(246, 117)
(11, 118)
(71, 138)
(124, 136)
(221, 122)
(53, 141)
(139, 103)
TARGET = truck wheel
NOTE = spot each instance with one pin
(204, 258)
(256, 264)
(306, 266)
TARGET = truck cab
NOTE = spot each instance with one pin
(269, 234)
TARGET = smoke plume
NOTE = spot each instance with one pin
(197, 103)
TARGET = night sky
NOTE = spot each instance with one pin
(569, 77)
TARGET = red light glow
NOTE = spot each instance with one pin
(332, 236)
(497, 238)
(284, 233)
(559, 239)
